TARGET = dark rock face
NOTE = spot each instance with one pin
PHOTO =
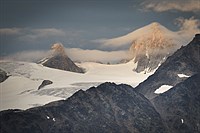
(186, 61)
(62, 62)
(180, 106)
(44, 83)
(3, 76)
(105, 109)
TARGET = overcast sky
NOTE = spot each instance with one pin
(37, 24)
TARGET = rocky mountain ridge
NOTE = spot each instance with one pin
(185, 61)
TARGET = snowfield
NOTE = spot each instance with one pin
(20, 90)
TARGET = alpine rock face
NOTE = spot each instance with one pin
(60, 60)
(184, 63)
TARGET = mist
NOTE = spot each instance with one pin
(76, 54)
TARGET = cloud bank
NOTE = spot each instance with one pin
(76, 54)
(166, 5)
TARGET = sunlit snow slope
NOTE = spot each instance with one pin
(20, 90)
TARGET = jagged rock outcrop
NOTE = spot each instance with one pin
(106, 108)
(3, 75)
(44, 83)
(186, 61)
(60, 60)
(180, 106)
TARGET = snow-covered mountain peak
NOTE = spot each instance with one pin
(156, 37)
(153, 30)
(158, 30)
(151, 48)
(149, 45)
(156, 27)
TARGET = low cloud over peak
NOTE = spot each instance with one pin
(187, 29)
(76, 54)
(191, 24)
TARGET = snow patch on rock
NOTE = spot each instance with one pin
(183, 76)
(163, 89)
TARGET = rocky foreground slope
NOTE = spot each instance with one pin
(180, 106)
(113, 108)
(104, 109)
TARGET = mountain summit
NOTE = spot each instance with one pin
(60, 60)
(151, 49)
(149, 45)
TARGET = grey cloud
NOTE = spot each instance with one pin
(35, 34)
(166, 5)
(48, 32)
(10, 31)
(28, 34)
